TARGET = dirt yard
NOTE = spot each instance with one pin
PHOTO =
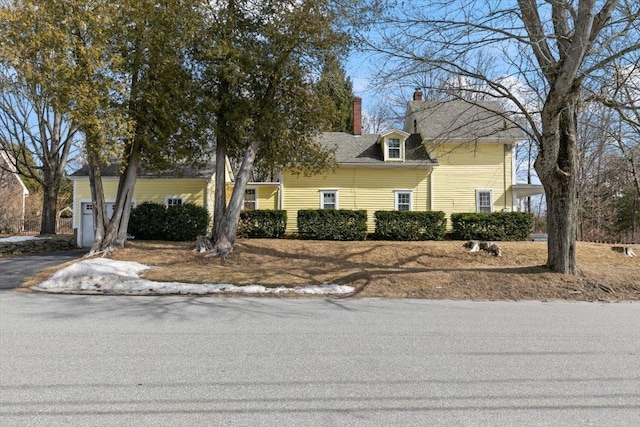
(437, 270)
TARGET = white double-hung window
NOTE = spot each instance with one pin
(250, 199)
(393, 145)
(329, 199)
(403, 200)
(484, 201)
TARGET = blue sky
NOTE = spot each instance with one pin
(360, 70)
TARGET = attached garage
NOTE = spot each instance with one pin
(185, 184)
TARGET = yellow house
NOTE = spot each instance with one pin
(452, 156)
(175, 187)
(375, 172)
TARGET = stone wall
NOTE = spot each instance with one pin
(51, 244)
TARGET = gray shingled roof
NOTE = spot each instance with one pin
(364, 150)
(113, 169)
(443, 120)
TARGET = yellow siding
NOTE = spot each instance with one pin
(267, 196)
(464, 170)
(358, 188)
(146, 190)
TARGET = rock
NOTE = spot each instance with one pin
(627, 250)
(490, 247)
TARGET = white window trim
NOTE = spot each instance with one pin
(400, 149)
(395, 198)
(256, 201)
(323, 192)
(484, 190)
(166, 200)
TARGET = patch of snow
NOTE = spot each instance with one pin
(107, 276)
(14, 239)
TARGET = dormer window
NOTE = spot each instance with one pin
(392, 144)
(394, 148)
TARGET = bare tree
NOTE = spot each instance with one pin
(39, 137)
(378, 118)
(554, 49)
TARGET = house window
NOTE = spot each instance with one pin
(394, 148)
(173, 201)
(329, 199)
(404, 200)
(484, 201)
(250, 199)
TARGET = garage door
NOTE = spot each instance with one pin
(87, 222)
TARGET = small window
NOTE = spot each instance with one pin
(250, 199)
(484, 201)
(329, 199)
(394, 148)
(173, 201)
(404, 200)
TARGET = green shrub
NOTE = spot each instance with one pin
(410, 225)
(185, 222)
(268, 224)
(330, 224)
(152, 221)
(147, 221)
(492, 226)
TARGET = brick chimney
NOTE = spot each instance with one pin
(417, 95)
(357, 116)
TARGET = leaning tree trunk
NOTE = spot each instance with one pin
(226, 234)
(557, 167)
(116, 230)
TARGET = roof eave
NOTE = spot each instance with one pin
(391, 165)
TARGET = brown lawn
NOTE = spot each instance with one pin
(439, 270)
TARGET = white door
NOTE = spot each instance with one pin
(87, 222)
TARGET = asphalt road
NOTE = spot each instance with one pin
(15, 269)
(181, 361)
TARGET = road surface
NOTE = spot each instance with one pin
(181, 361)
(15, 269)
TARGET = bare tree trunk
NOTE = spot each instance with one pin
(220, 199)
(99, 210)
(54, 159)
(226, 234)
(49, 204)
(116, 230)
(557, 167)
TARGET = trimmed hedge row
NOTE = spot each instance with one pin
(268, 224)
(332, 224)
(492, 226)
(410, 225)
(152, 221)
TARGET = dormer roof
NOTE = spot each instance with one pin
(394, 132)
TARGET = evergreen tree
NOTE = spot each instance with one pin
(335, 91)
